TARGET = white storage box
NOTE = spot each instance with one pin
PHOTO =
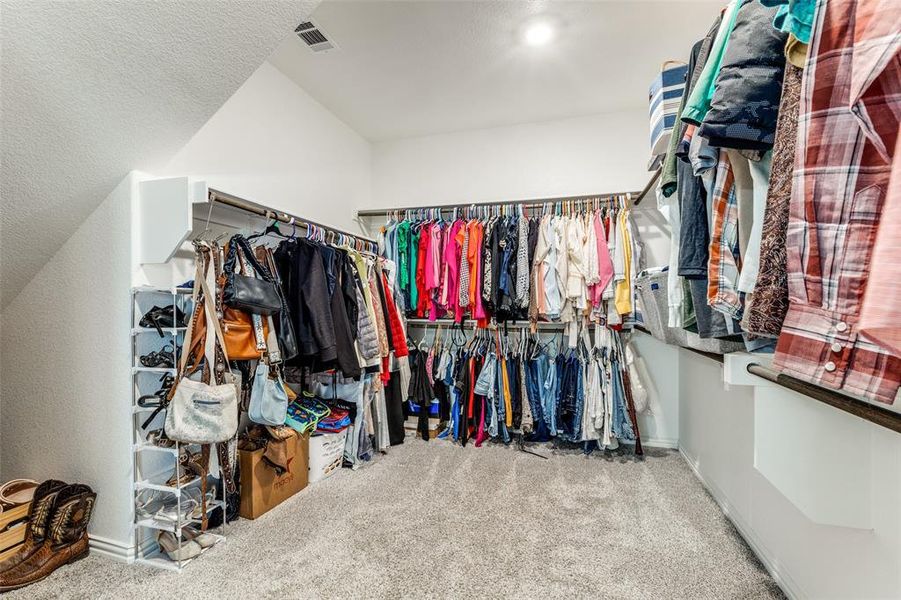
(326, 454)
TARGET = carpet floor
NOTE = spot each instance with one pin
(438, 521)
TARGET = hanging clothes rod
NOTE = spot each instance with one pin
(533, 203)
(216, 196)
(511, 324)
(868, 412)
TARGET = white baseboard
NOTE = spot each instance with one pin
(660, 443)
(118, 551)
(113, 549)
(764, 555)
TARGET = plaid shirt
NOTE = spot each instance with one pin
(847, 126)
(723, 265)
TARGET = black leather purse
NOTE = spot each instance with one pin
(256, 295)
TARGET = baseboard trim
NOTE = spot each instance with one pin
(764, 555)
(660, 443)
(118, 551)
(113, 549)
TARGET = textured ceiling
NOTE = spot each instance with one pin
(415, 68)
(92, 90)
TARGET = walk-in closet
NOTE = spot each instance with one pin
(443, 299)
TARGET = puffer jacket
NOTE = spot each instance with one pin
(368, 336)
(745, 101)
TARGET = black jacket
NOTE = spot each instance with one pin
(303, 276)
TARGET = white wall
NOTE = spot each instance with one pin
(65, 379)
(273, 144)
(65, 368)
(585, 155)
(596, 154)
(659, 424)
(814, 490)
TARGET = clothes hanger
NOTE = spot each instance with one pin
(271, 228)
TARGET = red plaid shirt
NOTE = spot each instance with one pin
(847, 126)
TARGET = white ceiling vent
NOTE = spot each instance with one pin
(313, 36)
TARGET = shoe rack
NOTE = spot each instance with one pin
(153, 465)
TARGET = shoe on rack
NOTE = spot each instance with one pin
(157, 400)
(163, 316)
(38, 523)
(168, 542)
(187, 470)
(204, 539)
(162, 358)
(65, 541)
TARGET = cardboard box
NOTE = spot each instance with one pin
(262, 489)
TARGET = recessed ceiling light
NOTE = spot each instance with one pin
(539, 34)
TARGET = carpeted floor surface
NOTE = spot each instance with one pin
(434, 520)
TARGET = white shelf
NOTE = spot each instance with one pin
(146, 289)
(159, 560)
(169, 330)
(145, 447)
(149, 485)
(135, 370)
(164, 525)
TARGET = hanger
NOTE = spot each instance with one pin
(271, 228)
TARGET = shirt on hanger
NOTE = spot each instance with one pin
(847, 130)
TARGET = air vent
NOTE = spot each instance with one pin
(313, 36)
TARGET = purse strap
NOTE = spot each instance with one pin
(202, 260)
(213, 320)
(238, 243)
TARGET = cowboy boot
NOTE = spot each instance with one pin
(38, 523)
(66, 540)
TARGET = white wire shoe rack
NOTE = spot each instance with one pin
(153, 466)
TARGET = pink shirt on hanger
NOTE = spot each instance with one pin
(450, 286)
(605, 263)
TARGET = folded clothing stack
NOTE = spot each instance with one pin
(338, 420)
(343, 415)
(305, 412)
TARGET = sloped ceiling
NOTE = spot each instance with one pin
(92, 90)
(405, 69)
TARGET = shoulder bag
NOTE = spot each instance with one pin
(199, 412)
(268, 398)
(257, 295)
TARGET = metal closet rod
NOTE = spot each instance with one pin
(858, 408)
(511, 324)
(283, 217)
(530, 203)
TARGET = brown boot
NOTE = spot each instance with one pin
(38, 523)
(66, 539)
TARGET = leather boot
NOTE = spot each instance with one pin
(66, 539)
(38, 523)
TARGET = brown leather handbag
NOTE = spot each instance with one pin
(238, 330)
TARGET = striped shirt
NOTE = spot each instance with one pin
(723, 264)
